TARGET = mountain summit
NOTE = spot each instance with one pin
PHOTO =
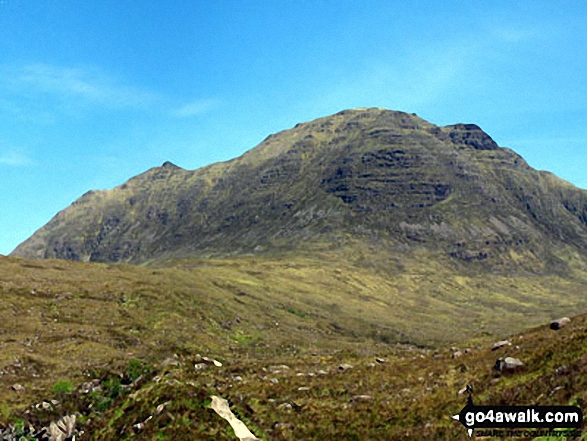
(370, 176)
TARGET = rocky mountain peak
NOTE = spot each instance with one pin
(356, 175)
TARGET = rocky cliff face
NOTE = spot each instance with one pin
(368, 175)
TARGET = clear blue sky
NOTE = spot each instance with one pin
(95, 92)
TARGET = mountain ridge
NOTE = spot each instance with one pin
(360, 174)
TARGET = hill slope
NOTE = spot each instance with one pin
(368, 176)
(118, 345)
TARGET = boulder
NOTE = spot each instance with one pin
(508, 364)
(557, 324)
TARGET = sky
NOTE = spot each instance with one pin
(95, 92)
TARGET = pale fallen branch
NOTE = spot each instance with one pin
(220, 406)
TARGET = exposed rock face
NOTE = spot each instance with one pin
(371, 174)
(471, 135)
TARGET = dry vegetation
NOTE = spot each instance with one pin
(64, 323)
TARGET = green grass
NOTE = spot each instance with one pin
(62, 387)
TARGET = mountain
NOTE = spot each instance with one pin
(329, 269)
(383, 179)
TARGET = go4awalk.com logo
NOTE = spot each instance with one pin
(519, 418)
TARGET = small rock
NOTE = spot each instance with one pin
(380, 360)
(557, 324)
(200, 366)
(362, 398)
(274, 380)
(63, 429)
(556, 389)
(18, 387)
(237, 378)
(323, 372)
(344, 367)
(457, 354)
(279, 368)
(508, 364)
(303, 388)
(500, 344)
(211, 361)
(285, 406)
(371, 365)
(90, 386)
(170, 361)
(161, 407)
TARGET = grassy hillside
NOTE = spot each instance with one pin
(410, 396)
(131, 331)
(63, 321)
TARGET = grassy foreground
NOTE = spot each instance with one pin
(65, 323)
